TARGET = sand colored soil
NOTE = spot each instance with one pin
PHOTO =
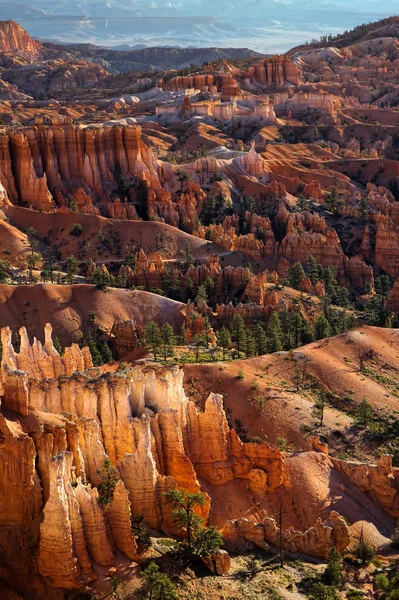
(67, 308)
(13, 244)
(121, 235)
(269, 406)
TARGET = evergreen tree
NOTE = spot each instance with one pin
(183, 512)
(101, 279)
(224, 340)
(105, 352)
(238, 332)
(200, 541)
(152, 338)
(168, 341)
(314, 270)
(49, 263)
(109, 478)
(363, 551)
(210, 290)
(320, 591)
(95, 353)
(140, 532)
(71, 268)
(260, 338)
(57, 346)
(159, 586)
(322, 328)
(333, 200)
(199, 341)
(141, 199)
(201, 295)
(364, 413)
(333, 574)
(364, 210)
(189, 288)
(302, 204)
(249, 344)
(188, 256)
(4, 274)
(296, 275)
(275, 333)
(183, 177)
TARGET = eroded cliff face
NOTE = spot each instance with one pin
(60, 421)
(16, 40)
(71, 419)
(43, 166)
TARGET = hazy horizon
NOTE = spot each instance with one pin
(262, 25)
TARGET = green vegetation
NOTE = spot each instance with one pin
(108, 480)
(76, 230)
(200, 541)
(159, 586)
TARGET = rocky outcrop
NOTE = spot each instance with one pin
(380, 481)
(42, 361)
(20, 493)
(317, 540)
(274, 71)
(17, 41)
(38, 163)
(218, 563)
(142, 421)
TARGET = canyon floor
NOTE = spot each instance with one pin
(199, 302)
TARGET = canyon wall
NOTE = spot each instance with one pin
(69, 419)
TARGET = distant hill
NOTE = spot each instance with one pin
(388, 27)
(150, 58)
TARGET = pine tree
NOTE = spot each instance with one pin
(224, 340)
(188, 256)
(320, 406)
(296, 275)
(261, 341)
(275, 333)
(333, 200)
(302, 203)
(202, 295)
(183, 177)
(364, 209)
(106, 353)
(199, 341)
(159, 586)
(95, 353)
(238, 332)
(168, 341)
(140, 532)
(183, 512)
(322, 328)
(101, 279)
(249, 344)
(152, 338)
(200, 541)
(109, 478)
(363, 551)
(57, 346)
(333, 574)
(71, 268)
(4, 274)
(364, 413)
(314, 270)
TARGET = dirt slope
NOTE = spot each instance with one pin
(67, 308)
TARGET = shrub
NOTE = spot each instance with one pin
(140, 532)
(363, 551)
(76, 230)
